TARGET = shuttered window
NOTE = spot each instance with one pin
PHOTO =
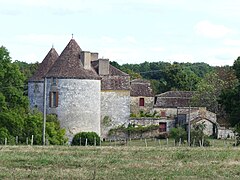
(53, 99)
(162, 127)
(141, 102)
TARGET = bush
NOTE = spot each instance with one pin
(198, 138)
(237, 131)
(80, 139)
(178, 133)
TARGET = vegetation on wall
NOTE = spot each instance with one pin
(145, 114)
(133, 129)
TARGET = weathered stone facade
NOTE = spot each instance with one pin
(115, 109)
(83, 91)
(147, 121)
(135, 106)
(35, 94)
(78, 106)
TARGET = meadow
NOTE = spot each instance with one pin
(121, 161)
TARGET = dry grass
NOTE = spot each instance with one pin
(127, 162)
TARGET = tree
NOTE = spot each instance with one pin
(11, 82)
(15, 118)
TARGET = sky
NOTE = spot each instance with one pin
(125, 31)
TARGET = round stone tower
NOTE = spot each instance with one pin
(73, 91)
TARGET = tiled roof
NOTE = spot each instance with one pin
(173, 99)
(46, 64)
(116, 80)
(112, 70)
(179, 94)
(69, 65)
(140, 87)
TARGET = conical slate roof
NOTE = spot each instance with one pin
(69, 65)
(44, 67)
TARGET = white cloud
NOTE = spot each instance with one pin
(210, 30)
(157, 49)
(182, 57)
(42, 38)
(107, 40)
(232, 42)
(130, 39)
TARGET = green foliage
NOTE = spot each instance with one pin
(106, 121)
(237, 131)
(236, 67)
(165, 76)
(145, 114)
(80, 139)
(132, 128)
(34, 125)
(197, 135)
(178, 133)
(11, 82)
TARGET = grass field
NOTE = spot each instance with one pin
(119, 162)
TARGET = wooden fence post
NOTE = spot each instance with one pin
(32, 141)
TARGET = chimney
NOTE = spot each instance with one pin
(94, 56)
(86, 59)
(103, 68)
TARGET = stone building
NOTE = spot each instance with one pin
(86, 93)
(142, 97)
(175, 105)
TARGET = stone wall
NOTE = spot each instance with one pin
(208, 127)
(225, 133)
(169, 112)
(147, 121)
(35, 95)
(134, 104)
(115, 109)
(78, 106)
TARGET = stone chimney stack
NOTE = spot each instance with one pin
(94, 56)
(103, 68)
(86, 59)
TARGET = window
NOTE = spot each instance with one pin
(141, 102)
(53, 99)
(162, 127)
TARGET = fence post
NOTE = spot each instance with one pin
(27, 140)
(32, 141)
(86, 142)
(167, 141)
(180, 142)
(95, 141)
(80, 143)
(5, 141)
(16, 140)
(146, 142)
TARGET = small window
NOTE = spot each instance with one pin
(141, 102)
(162, 127)
(53, 99)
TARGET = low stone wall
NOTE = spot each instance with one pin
(143, 121)
(224, 133)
